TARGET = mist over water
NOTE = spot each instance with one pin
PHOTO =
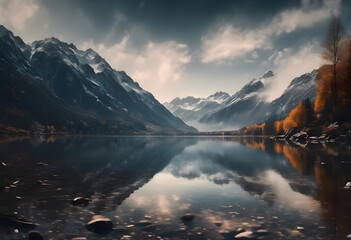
(232, 185)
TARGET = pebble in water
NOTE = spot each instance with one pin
(150, 228)
(262, 232)
(188, 217)
(143, 223)
(247, 234)
(34, 235)
(218, 224)
(42, 183)
(100, 224)
(41, 164)
(80, 201)
(14, 222)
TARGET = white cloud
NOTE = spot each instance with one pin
(230, 42)
(304, 17)
(153, 65)
(15, 13)
(289, 64)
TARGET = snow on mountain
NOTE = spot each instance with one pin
(300, 88)
(85, 81)
(191, 109)
(246, 107)
(249, 106)
(240, 109)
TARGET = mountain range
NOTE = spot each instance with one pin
(192, 109)
(246, 107)
(50, 84)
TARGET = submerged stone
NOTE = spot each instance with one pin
(150, 228)
(262, 232)
(42, 183)
(218, 224)
(14, 222)
(41, 164)
(143, 223)
(100, 224)
(34, 235)
(247, 234)
(188, 217)
(80, 201)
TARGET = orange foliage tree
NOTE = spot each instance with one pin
(325, 107)
(332, 51)
(299, 117)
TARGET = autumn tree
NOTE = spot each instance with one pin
(331, 52)
(346, 60)
(268, 128)
(301, 116)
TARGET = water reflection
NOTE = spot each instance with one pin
(273, 189)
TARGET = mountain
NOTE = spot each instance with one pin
(53, 83)
(299, 89)
(191, 109)
(249, 105)
(245, 106)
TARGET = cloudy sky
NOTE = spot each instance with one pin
(181, 47)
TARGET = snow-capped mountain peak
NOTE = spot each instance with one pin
(267, 74)
(191, 109)
(81, 84)
(219, 96)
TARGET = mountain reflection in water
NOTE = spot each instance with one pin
(272, 189)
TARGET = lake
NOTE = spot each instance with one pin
(251, 187)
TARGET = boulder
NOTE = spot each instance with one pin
(288, 134)
(322, 137)
(299, 137)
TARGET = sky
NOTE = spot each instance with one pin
(177, 48)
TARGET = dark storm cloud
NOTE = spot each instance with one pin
(183, 21)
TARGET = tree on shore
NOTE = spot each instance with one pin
(348, 69)
(331, 52)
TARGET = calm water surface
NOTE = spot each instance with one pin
(274, 189)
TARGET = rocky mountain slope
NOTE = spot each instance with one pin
(247, 106)
(53, 83)
(192, 109)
